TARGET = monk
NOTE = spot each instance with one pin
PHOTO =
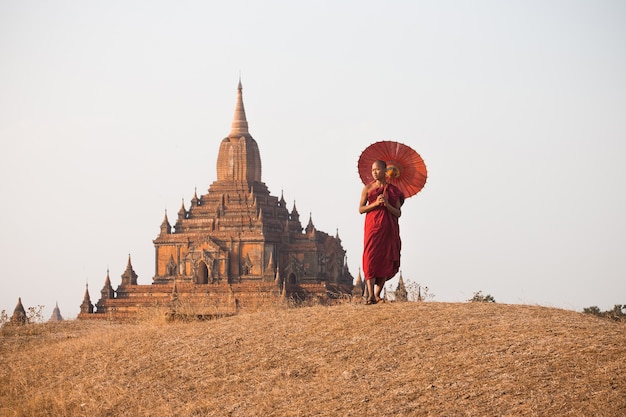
(381, 203)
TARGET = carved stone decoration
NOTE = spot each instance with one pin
(246, 266)
(209, 260)
(171, 267)
(295, 268)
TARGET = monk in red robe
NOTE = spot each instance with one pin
(381, 202)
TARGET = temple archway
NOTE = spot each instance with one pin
(202, 273)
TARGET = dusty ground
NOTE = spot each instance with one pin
(392, 359)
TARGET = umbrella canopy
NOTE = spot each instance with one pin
(405, 167)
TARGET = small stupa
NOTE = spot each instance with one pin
(19, 314)
(56, 314)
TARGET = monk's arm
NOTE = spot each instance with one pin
(395, 210)
(363, 206)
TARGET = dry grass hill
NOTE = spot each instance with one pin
(392, 359)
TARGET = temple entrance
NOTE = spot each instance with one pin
(292, 278)
(202, 273)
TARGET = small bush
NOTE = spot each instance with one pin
(618, 313)
(480, 298)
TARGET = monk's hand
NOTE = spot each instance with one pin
(381, 200)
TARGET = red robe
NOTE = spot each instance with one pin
(381, 245)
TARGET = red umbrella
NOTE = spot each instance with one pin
(405, 167)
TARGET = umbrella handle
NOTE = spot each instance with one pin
(384, 193)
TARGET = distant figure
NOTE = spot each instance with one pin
(381, 203)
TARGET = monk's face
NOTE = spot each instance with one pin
(378, 171)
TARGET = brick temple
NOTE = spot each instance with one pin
(234, 247)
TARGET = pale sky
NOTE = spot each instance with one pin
(113, 112)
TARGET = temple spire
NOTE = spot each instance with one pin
(166, 228)
(56, 314)
(86, 307)
(107, 291)
(358, 289)
(239, 126)
(401, 292)
(239, 158)
(19, 314)
(310, 227)
(129, 277)
(182, 213)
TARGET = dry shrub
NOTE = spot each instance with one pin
(389, 359)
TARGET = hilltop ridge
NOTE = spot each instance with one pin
(428, 358)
